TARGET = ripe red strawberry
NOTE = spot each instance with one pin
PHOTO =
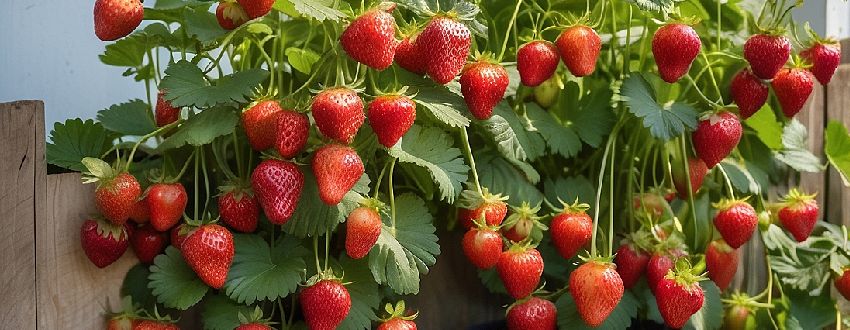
(792, 87)
(148, 243)
(338, 113)
(115, 19)
(697, 170)
(522, 222)
(536, 62)
(767, 54)
(825, 57)
(140, 213)
(716, 136)
(239, 208)
(155, 325)
(370, 38)
(721, 262)
(736, 317)
(483, 247)
(748, 92)
(489, 206)
(391, 116)
(178, 235)
(104, 242)
(325, 304)
(166, 202)
(520, 268)
(579, 46)
(256, 8)
(799, 214)
(483, 85)
(842, 283)
(532, 314)
(407, 56)
(209, 251)
(657, 267)
(116, 197)
(631, 264)
(230, 14)
(397, 324)
(678, 296)
(443, 46)
(253, 326)
(278, 186)
(736, 220)
(293, 129)
(362, 230)
(337, 169)
(675, 46)
(596, 288)
(120, 322)
(260, 123)
(571, 229)
(165, 112)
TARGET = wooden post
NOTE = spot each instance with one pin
(838, 108)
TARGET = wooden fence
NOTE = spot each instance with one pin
(51, 284)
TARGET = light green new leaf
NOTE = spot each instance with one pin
(663, 122)
(837, 149)
(260, 272)
(444, 105)
(202, 128)
(186, 85)
(74, 140)
(365, 296)
(431, 148)
(795, 152)
(620, 318)
(131, 118)
(401, 254)
(302, 59)
(221, 313)
(313, 217)
(174, 283)
(319, 9)
(710, 316)
(559, 138)
(767, 128)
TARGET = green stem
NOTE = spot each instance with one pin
(593, 252)
(719, 22)
(392, 194)
(381, 177)
(464, 137)
(185, 166)
(728, 182)
(144, 138)
(316, 254)
(327, 247)
(686, 164)
(197, 171)
(611, 177)
(206, 180)
(508, 31)
(713, 79)
(628, 59)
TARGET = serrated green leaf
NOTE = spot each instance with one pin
(663, 122)
(128, 52)
(795, 152)
(401, 254)
(500, 176)
(313, 217)
(135, 285)
(593, 118)
(131, 118)
(662, 6)
(559, 138)
(202, 128)
(365, 296)
(186, 85)
(508, 131)
(173, 282)
(740, 177)
(201, 23)
(837, 149)
(74, 140)
(767, 128)
(319, 9)
(259, 28)
(490, 279)
(302, 59)
(710, 316)
(444, 105)
(812, 312)
(221, 313)
(431, 148)
(260, 272)
(620, 318)
(568, 189)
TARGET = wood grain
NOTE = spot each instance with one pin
(838, 108)
(21, 133)
(813, 116)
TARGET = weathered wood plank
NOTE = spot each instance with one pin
(20, 124)
(838, 108)
(812, 116)
(72, 292)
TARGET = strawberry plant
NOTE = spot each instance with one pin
(301, 154)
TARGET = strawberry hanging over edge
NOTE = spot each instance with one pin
(799, 214)
(767, 53)
(675, 46)
(447, 42)
(679, 296)
(370, 38)
(721, 262)
(239, 207)
(337, 169)
(209, 251)
(147, 243)
(325, 302)
(579, 46)
(792, 87)
(293, 130)
(483, 85)
(260, 123)
(716, 136)
(825, 56)
(748, 92)
(390, 117)
(474, 205)
(398, 318)
(520, 268)
(116, 193)
(338, 113)
(115, 19)
(536, 62)
(532, 313)
(104, 242)
(596, 288)
(256, 8)
(363, 227)
(736, 220)
(277, 185)
(230, 14)
(571, 229)
(166, 202)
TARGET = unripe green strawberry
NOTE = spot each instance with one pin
(825, 57)
(362, 230)
(721, 262)
(571, 229)
(799, 214)
(748, 92)
(520, 268)
(736, 220)
(532, 314)
(678, 297)
(792, 87)
(370, 38)
(546, 94)
(483, 86)
(675, 46)
(579, 46)
(443, 45)
(278, 186)
(767, 54)
(391, 116)
(483, 247)
(338, 113)
(536, 62)
(596, 288)
(337, 169)
(716, 137)
(115, 19)
(325, 304)
(104, 242)
(209, 251)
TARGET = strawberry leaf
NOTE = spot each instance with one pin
(663, 122)
(592, 118)
(490, 279)
(501, 176)
(365, 296)
(74, 140)
(221, 313)
(401, 254)
(568, 189)
(740, 177)
(431, 148)
(710, 316)
(319, 9)
(135, 285)
(802, 266)
(302, 59)
(173, 282)
(260, 272)
(444, 105)
(620, 318)
(186, 85)
(313, 217)
(837, 149)
(202, 128)
(201, 23)
(131, 118)
(662, 6)
(509, 133)
(767, 128)
(559, 138)
(811, 312)
(795, 152)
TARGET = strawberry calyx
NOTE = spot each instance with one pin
(156, 317)
(238, 188)
(256, 317)
(107, 229)
(797, 199)
(574, 208)
(744, 300)
(686, 20)
(471, 200)
(324, 275)
(373, 203)
(726, 204)
(798, 62)
(521, 247)
(129, 310)
(607, 261)
(684, 275)
(639, 241)
(524, 212)
(398, 311)
(815, 39)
